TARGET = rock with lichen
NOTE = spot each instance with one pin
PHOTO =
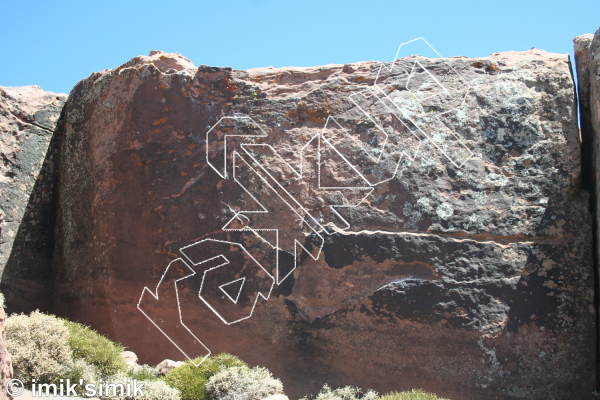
(447, 241)
(28, 116)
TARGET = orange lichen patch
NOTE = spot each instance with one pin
(161, 128)
(196, 165)
(304, 113)
(230, 85)
(163, 85)
(165, 109)
(170, 151)
(183, 174)
(489, 67)
(193, 146)
(137, 160)
(189, 153)
(160, 121)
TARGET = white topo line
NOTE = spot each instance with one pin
(244, 157)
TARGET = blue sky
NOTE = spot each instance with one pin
(54, 44)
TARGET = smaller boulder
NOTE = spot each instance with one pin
(167, 365)
(130, 358)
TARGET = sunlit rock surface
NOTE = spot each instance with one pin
(458, 258)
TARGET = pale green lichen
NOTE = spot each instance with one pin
(444, 211)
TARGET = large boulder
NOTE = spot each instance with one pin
(458, 260)
(28, 116)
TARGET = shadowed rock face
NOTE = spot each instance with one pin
(466, 270)
(28, 116)
(587, 58)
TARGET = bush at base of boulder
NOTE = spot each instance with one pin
(159, 390)
(243, 383)
(415, 394)
(344, 393)
(152, 389)
(95, 349)
(191, 380)
(142, 373)
(39, 347)
(354, 393)
(81, 371)
(47, 348)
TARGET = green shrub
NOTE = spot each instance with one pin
(142, 373)
(39, 347)
(47, 348)
(415, 394)
(344, 393)
(81, 370)
(243, 383)
(95, 349)
(191, 380)
(159, 390)
(152, 390)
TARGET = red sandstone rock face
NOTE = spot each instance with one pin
(466, 270)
